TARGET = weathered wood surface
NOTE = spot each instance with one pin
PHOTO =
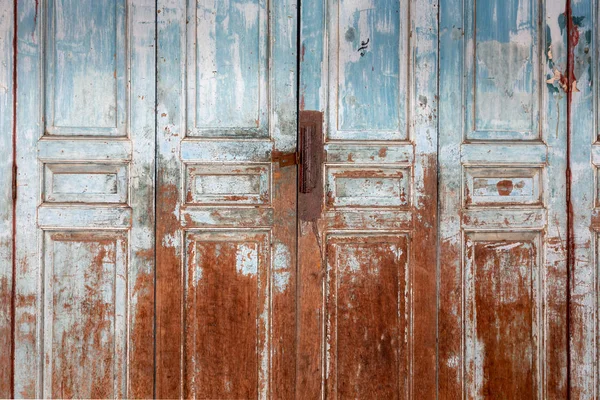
(503, 222)
(582, 73)
(499, 298)
(85, 199)
(226, 240)
(367, 260)
(7, 32)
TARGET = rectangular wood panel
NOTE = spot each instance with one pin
(227, 68)
(367, 296)
(226, 314)
(84, 311)
(86, 183)
(370, 70)
(502, 279)
(85, 74)
(506, 30)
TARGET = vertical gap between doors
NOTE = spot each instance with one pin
(154, 330)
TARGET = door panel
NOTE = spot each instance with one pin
(503, 221)
(84, 207)
(367, 236)
(227, 214)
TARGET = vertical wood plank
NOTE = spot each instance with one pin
(311, 266)
(580, 27)
(141, 84)
(7, 32)
(284, 95)
(424, 115)
(553, 111)
(28, 329)
(170, 127)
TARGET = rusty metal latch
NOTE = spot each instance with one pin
(310, 144)
(285, 159)
(310, 171)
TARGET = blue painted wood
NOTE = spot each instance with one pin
(502, 30)
(369, 71)
(584, 134)
(369, 66)
(85, 68)
(7, 32)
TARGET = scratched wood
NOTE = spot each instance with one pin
(226, 237)
(581, 27)
(84, 208)
(366, 66)
(502, 184)
(6, 204)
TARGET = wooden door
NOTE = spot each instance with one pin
(226, 206)
(504, 236)
(367, 219)
(83, 92)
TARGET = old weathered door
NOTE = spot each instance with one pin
(83, 102)
(226, 201)
(367, 213)
(503, 204)
(171, 226)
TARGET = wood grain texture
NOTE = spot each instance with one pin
(7, 35)
(581, 31)
(226, 304)
(367, 292)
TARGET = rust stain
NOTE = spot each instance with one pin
(221, 335)
(284, 316)
(168, 291)
(382, 152)
(141, 344)
(371, 357)
(505, 187)
(424, 281)
(503, 312)
(95, 356)
(5, 338)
